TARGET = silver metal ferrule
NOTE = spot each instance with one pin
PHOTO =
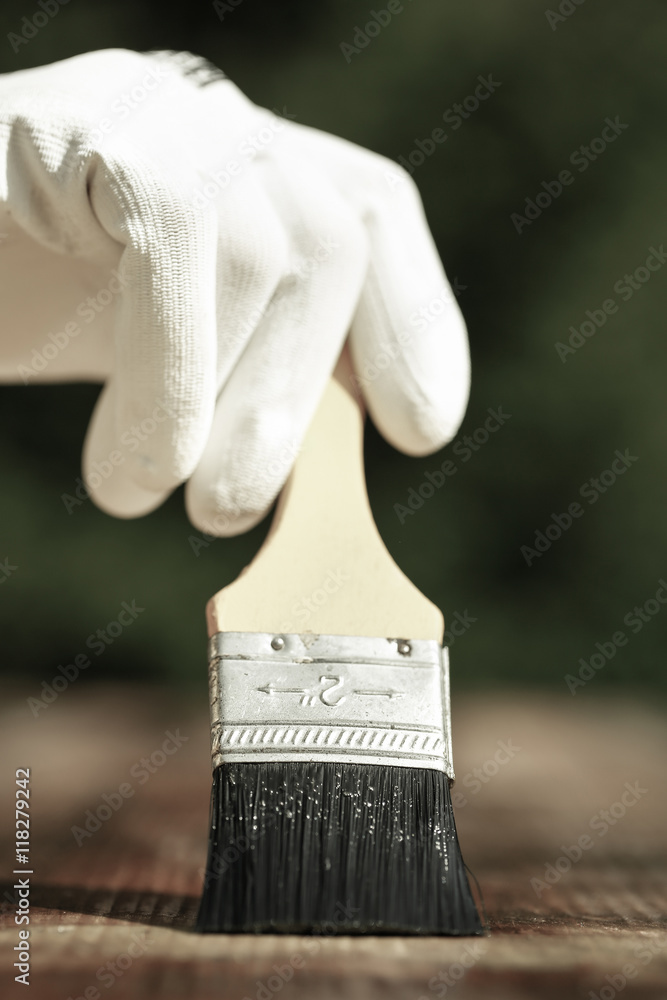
(350, 699)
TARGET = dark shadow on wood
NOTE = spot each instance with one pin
(155, 909)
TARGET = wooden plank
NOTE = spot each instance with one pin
(128, 894)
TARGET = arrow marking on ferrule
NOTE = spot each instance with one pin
(380, 694)
(271, 689)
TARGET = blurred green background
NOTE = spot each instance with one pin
(561, 75)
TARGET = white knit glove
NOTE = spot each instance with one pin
(206, 259)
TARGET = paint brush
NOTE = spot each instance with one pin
(331, 736)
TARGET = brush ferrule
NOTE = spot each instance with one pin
(347, 699)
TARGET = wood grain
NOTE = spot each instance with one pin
(547, 767)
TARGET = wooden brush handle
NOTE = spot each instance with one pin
(323, 567)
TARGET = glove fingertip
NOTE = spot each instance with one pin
(221, 519)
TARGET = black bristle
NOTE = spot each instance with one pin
(334, 848)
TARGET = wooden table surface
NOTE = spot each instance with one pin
(114, 914)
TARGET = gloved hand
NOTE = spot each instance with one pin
(206, 260)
